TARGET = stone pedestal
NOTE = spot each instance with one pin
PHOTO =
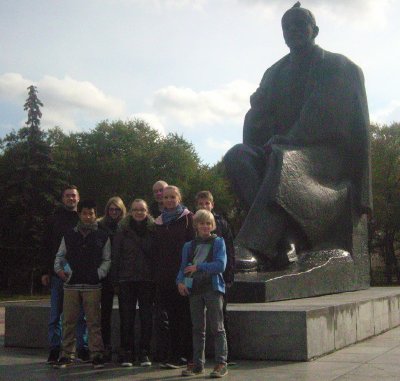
(316, 273)
(295, 330)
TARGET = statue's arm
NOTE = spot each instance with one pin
(257, 126)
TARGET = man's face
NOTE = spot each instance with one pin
(87, 216)
(298, 31)
(70, 199)
(203, 203)
(158, 190)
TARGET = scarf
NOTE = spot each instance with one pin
(171, 216)
(85, 229)
(140, 227)
(200, 240)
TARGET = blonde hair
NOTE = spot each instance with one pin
(175, 189)
(160, 182)
(203, 215)
(106, 219)
(204, 195)
(119, 203)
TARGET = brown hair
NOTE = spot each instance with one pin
(204, 195)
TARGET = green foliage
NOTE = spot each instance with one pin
(30, 182)
(126, 158)
(385, 158)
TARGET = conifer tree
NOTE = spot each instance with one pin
(30, 183)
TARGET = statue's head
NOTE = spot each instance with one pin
(299, 28)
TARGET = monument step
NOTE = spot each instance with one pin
(293, 330)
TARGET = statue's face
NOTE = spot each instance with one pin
(298, 31)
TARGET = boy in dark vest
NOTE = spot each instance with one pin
(82, 260)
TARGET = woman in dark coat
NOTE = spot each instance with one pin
(132, 270)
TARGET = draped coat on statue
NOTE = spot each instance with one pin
(319, 169)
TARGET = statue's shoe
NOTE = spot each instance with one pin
(245, 260)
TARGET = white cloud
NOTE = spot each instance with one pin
(66, 101)
(363, 13)
(13, 87)
(190, 108)
(79, 95)
(387, 114)
(221, 146)
(160, 4)
(153, 121)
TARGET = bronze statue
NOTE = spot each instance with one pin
(303, 169)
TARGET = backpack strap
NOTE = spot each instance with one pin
(193, 245)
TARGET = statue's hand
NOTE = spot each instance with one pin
(276, 140)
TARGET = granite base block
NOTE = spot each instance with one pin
(293, 330)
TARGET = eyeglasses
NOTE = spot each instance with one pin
(114, 210)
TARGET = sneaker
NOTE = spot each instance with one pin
(145, 361)
(83, 355)
(219, 371)
(98, 362)
(163, 365)
(63, 362)
(54, 354)
(192, 370)
(107, 356)
(127, 359)
(176, 364)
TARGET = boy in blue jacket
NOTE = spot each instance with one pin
(200, 278)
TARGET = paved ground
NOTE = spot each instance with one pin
(376, 359)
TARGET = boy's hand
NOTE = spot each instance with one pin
(183, 290)
(190, 269)
(63, 275)
(45, 279)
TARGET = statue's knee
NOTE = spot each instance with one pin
(234, 155)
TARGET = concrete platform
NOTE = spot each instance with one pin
(294, 330)
(373, 359)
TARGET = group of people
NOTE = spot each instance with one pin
(174, 264)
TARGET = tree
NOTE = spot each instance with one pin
(30, 183)
(385, 157)
(126, 158)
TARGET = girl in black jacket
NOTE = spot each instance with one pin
(132, 270)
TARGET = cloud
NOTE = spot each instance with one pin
(190, 108)
(153, 121)
(387, 114)
(364, 13)
(13, 87)
(162, 4)
(67, 102)
(221, 146)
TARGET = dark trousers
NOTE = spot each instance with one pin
(131, 293)
(107, 298)
(226, 321)
(174, 325)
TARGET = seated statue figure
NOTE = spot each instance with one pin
(303, 169)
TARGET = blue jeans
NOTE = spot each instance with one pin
(56, 309)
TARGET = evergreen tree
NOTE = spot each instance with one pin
(30, 183)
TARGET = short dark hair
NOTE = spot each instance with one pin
(68, 187)
(88, 204)
(207, 195)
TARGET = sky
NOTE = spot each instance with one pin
(184, 66)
